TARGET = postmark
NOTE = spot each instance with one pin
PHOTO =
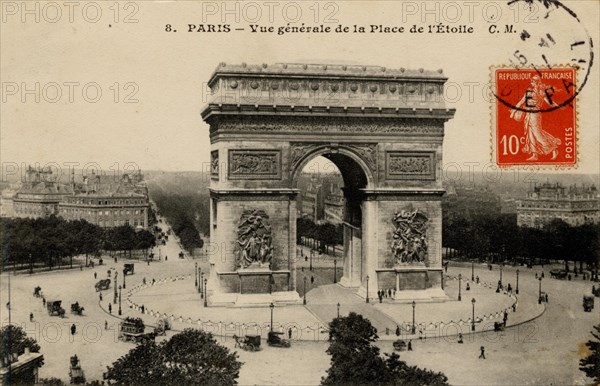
(535, 116)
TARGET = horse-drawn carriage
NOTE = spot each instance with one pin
(76, 308)
(274, 339)
(558, 274)
(596, 291)
(132, 329)
(128, 268)
(103, 285)
(588, 303)
(75, 372)
(54, 308)
(37, 292)
(499, 326)
(248, 343)
(163, 325)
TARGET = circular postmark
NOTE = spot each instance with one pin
(552, 42)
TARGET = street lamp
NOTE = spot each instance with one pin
(414, 328)
(459, 286)
(334, 270)
(472, 270)
(473, 319)
(205, 294)
(200, 285)
(304, 300)
(196, 274)
(501, 267)
(124, 286)
(115, 298)
(311, 256)
(271, 306)
(119, 300)
(338, 310)
(517, 289)
(540, 292)
(367, 288)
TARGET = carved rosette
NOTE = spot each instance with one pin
(401, 165)
(254, 164)
(409, 240)
(254, 240)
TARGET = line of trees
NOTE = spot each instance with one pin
(498, 237)
(52, 240)
(326, 234)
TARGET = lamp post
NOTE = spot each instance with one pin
(459, 286)
(367, 289)
(473, 318)
(311, 256)
(517, 289)
(414, 328)
(115, 298)
(271, 306)
(334, 270)
(124, 286)
(304, 300)
(119, 300)
(200, 285)
(196, 274)
(540, 292)
(472, 270)
(205, 294)
(338, 310)
(501, 267)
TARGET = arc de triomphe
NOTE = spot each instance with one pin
(383, 128)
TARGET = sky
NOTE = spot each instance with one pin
(152, 83)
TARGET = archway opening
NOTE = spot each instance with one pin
(329, 221)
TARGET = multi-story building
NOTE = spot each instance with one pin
(108, 205)
(39, 195)
(334, 204)
(575, 205)
(98, 199)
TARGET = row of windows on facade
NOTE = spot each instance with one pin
(106, 202)
(566, 205)
(116, 212)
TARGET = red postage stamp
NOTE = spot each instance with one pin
(535, 117)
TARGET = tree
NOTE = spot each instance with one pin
(591, 365)
(15, 338)
(355, 360)
(192, 357)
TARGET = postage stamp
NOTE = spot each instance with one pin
(534, 116)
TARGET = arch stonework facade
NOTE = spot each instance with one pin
(384, 130)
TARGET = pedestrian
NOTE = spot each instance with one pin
(460, 338)
(144, 281)
(8, 305)
(44, 301)
(468, 287)
(109, 308)
(477, 279)
(81, 267)
(143, 308)
(397, 330)
(409, 346)
(106, 324)
(166, 257)
(73, 329)
(380, 296)
(390, 293)
(482, 355)
(148, 261)
(153, 281)
(542, 274)
(100, 296)
(289, 333)
(312, 280)
(31, 316)
(546, 298)
(505, 317)
(536, 275)
(394, 292)
(95, 275)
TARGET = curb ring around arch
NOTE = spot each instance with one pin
(319, 149)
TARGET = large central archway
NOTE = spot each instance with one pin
(382, 128)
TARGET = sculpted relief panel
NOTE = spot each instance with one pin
(254, 242)
(410, 165)
(409, 242)
(254, 164)
(214, 164)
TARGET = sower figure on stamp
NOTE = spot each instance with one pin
(537, 140)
